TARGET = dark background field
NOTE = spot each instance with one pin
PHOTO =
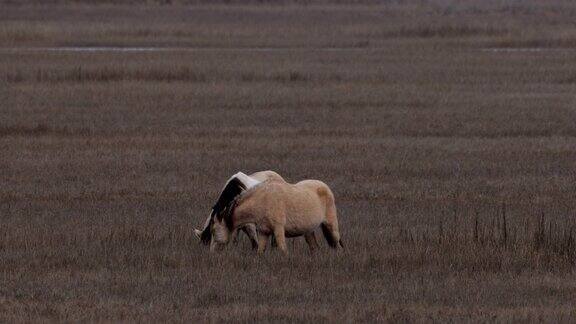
(453, 164)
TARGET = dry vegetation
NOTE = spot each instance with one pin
(453, 167)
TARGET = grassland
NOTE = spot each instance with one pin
(453, 166)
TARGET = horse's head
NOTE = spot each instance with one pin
(218, 225)
(205, 234)
(216, 232)
(220, 235)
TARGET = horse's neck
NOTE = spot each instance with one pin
(240, 217)
(241, 220)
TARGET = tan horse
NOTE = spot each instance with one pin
(280, 209)
(237, 184)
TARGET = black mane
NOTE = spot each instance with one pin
(224, 207)
(233, 188)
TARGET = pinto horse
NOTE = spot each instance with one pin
(273, 208)
(237, 184)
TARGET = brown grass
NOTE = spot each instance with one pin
(453, 168)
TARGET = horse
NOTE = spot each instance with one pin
(276, 208)
(233, 187)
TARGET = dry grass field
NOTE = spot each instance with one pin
(453, 166)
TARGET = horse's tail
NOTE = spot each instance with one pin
(330, 225)
(332, 242)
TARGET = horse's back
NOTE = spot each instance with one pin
(303, 205)
(267, 175)
(308, 198)
(316, 186)
(276, 195)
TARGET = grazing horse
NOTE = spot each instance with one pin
(276, 208)
(237, 184)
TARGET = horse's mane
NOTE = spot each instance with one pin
(233, 188)
(227, 213)
(226, 203)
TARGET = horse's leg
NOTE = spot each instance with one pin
(311, 240)
(234, 236)
(262, 241)
(250, 230)
(280, 237)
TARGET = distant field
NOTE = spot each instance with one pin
(453, 167)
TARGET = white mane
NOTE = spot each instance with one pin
(248, 181)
